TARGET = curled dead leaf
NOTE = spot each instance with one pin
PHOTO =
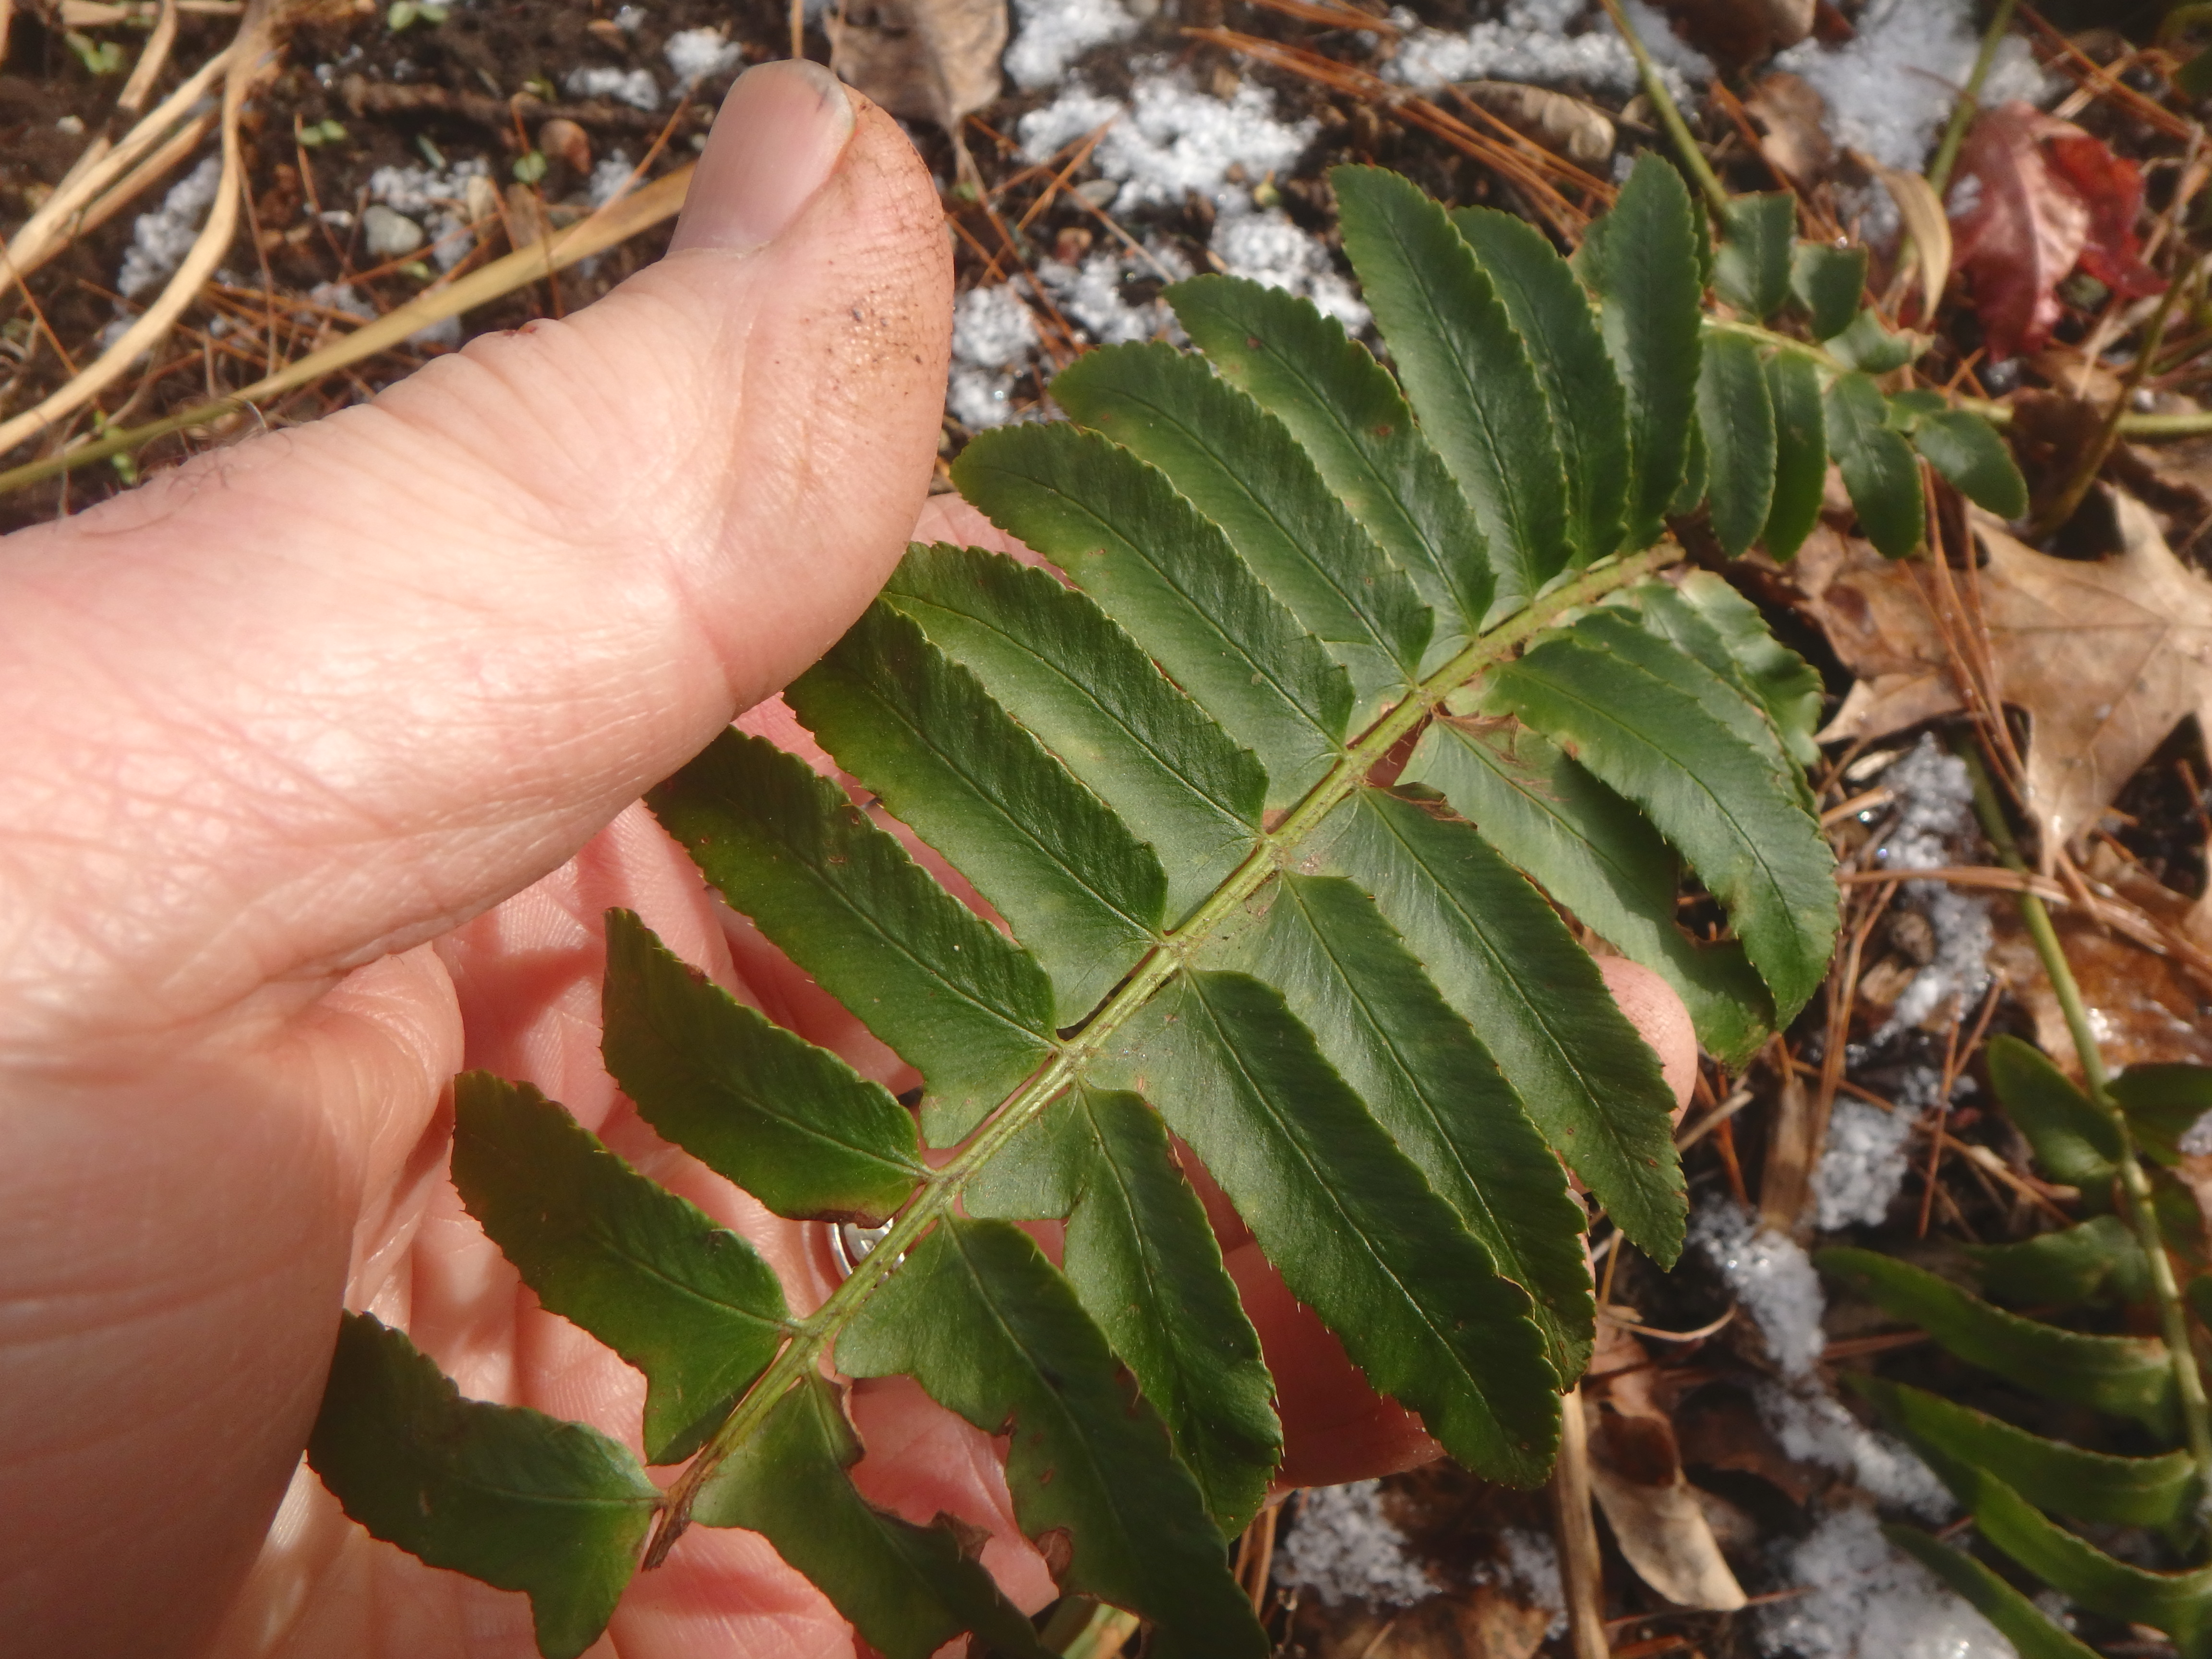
(1567, 126)
(1635, 1475)
(1793, 117)
(2033, 197)
(1925, 223)
(932, 60)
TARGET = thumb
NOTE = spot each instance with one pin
(322, 696)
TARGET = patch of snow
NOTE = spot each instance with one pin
(1530, 42)
(1772, 1278)
(1344, 1548)
(1171, 140)
(696, 55)
(2197, 1140)
(611, 178)
(1813, 1427)
(994, 338)
(1091, 294)
(415, 191)
(1869, 1601)
(635, 87)
(1267, 247)
(1863, 1164)
(338, 296)
(630, 19)
(160, 239)
(1531, 1561)
(1890, 88)
(1934, 819)
(1050, 34)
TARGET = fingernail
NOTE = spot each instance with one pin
(776, 143)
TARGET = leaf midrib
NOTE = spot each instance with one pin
(1774, 883)
(1243, 827)
(1263, 670)
(990, 798)
(1326, 1184)
(523, 1176)
(1292, 537)
(1564, 1051)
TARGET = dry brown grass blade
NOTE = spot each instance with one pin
(89, 192)
(140, 87)
(617, 221)
(245, 56)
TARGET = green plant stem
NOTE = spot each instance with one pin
(2092, 459)
(812, 1335)
(1969, 99)
(1670, 114)
(2174, 1319)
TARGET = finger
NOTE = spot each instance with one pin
(309, 701)
(359, 680)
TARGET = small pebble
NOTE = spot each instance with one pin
(386, 235)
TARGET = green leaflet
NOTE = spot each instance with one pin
(2075, 1143)
(1347, 1218)
(1752, 268)
(1827, 281)
(842, 898)
(1967, 449)
(1801, 454)
(1169, 577)
(1552, 316)
(2129, 1376)
(907, 1589)
(2178, 1603)
(1242, 469)
(1768, 671)
(1144, 1262)
(2098, 1261)
(2163, 1103)
(978, 1317)
(1866, 345)
(1641, 260)
(1345, 408)
(1081, 893)
(2017, 1620)
(1465, 371)
(690, 1304)
(1049, 657)
(1668, 734)
(1598, 857)
(1737, 417)
(791, 1123)
(1505, 961)
(505, 1494)
(2133, 1491)
(1349, 979)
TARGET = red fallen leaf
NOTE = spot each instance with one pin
(2034, 196)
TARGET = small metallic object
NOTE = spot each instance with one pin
(849, 1241)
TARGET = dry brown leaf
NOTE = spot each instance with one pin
(1482, 1623)
(933, 60)
(2104, 657)
(1926, 223)
(1735, 32)
(1636, 1474)
(1567, 126)
(1796, 143)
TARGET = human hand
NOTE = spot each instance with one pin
(284, 728)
